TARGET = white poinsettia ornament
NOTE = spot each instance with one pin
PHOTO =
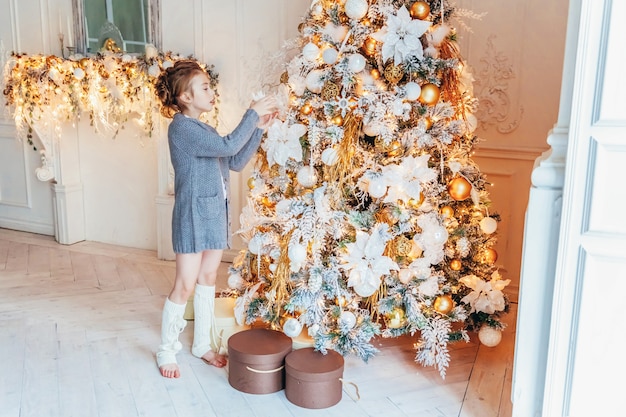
(401, 36)
(405, 179)
(283, 142)
(365, 261)
(487, 296)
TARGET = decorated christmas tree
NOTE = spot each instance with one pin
(366, 215)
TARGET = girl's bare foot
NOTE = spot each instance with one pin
(170, 370)
(215, 359)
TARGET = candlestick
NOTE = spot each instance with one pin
(70, 33)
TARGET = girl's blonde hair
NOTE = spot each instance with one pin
(173, 82)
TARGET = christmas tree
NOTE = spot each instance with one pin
(366, 215)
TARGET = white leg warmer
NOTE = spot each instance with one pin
(204, 330)
(172, 325)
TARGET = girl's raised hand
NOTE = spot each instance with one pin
(266, 105)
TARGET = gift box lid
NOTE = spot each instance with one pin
(259, 346)
(225, 311)
(307, 364)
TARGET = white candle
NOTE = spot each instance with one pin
(70, 33)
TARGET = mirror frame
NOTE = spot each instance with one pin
(80, 33)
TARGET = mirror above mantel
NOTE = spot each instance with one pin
(131, 24)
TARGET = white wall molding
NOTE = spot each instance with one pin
(496, 103)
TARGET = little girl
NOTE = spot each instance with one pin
(202, 160)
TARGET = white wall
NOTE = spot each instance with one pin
(516, 54)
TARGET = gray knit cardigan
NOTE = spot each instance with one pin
(201, 218)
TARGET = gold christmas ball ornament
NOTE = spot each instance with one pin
(430, 94)
(490, 256)
(267, 202)
(403, 245)
(419, 10)
(489, 336)
(375, 73)
(395, 148)
(443, 304)
(251, 182)
(330, 91)
(396, 318)
(306, 109)
(447, 211)
(394, 73)
(84, 62)
(284, 77)
(459, 189)
(369, 46)
(415, 203)
(455, 265)
(338, 120)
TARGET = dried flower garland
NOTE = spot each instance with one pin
(112, 88)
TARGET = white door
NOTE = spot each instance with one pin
(25, 202)
(587, 338)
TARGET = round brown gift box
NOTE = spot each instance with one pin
(313, 379)
(256, 360)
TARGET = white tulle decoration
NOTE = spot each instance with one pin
(292, 327)
(356, 9)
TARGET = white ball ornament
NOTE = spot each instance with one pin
(329, 56)
(292, 327)
(489, 336)
(254, 246)
(347, 319)
(79, 74)
(297, 253)
(283, 206)
(356, 63)
(314, 81)
(439, 235)
(310, 52)
(317, 11)
(235, 281)
(371, 130)
(330, 156)
(307, 176)
(488, 225)
(413, 91)
(376, 188)
(356, 9)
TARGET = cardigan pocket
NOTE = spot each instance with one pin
(208, 207)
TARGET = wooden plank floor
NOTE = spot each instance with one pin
(79, 326)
